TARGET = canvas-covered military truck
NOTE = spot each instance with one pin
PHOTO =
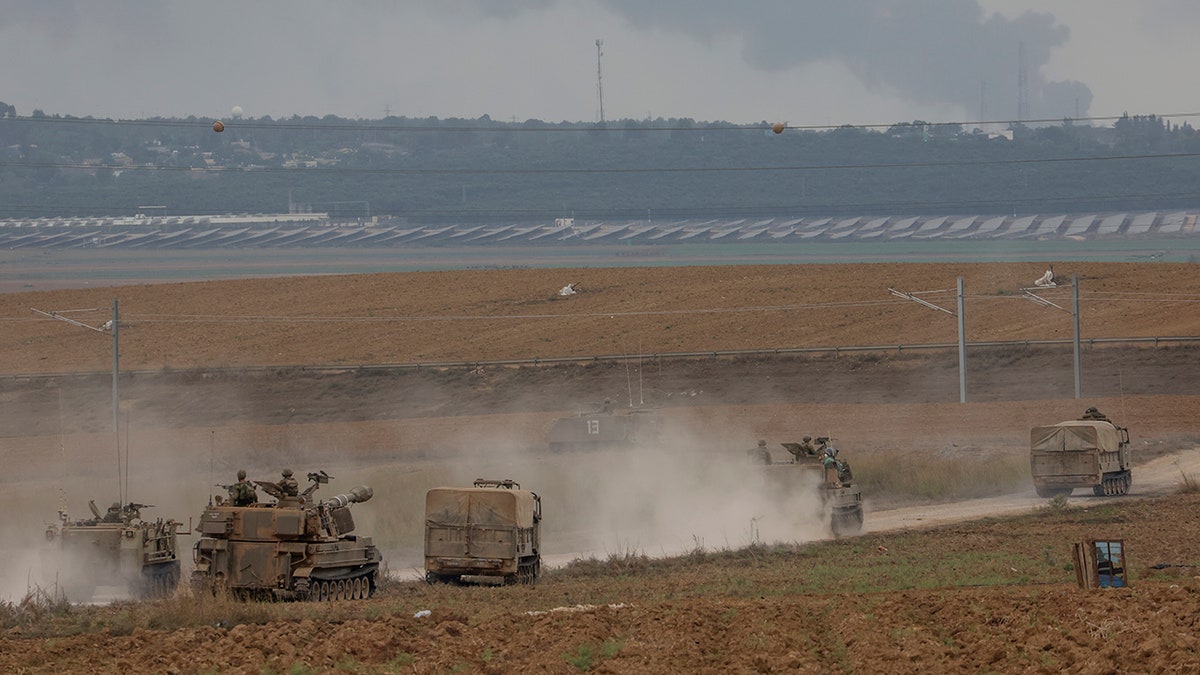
(1086, 453)
(488, 530)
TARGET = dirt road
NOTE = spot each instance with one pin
(1160, 476)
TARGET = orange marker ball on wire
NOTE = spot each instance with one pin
(218, 126)
(778, 127)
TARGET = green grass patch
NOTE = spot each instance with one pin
(588, 655)
(900, 475)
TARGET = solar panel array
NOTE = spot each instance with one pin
(317, 230)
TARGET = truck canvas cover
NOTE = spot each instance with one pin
(479, 507)
(1075, 436)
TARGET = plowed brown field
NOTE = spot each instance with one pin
(188, 421)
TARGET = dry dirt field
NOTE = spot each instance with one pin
(187, 420)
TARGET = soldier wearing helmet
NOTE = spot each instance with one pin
(801, 450)
(1094, 414)
(759, 454)
(242, 493)
(288, 485)
(113, 515)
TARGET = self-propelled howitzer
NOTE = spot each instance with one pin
(297, 548)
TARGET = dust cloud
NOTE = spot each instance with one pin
(695, 489)
(659, 499)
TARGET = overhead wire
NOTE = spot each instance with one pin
(265, 318)
(277, 318)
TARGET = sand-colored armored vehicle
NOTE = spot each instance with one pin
(1084, 453)
(296, 548)
(117, 549)
(605, 429)
(841, 498)
(489, 530)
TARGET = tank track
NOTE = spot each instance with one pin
(1117, 484)
(358, 587)
(848, 521)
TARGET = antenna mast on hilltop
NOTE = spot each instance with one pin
(599, 81)
(1022, 85)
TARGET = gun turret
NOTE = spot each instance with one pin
(358, 495)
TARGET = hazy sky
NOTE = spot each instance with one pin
(804, 61)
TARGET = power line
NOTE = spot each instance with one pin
(221, 318)
(275, 318)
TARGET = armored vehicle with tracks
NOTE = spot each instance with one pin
(492, 529)
(605, 430)
(297, 548)
(118, 549)
(841, 498)
(1084, 453)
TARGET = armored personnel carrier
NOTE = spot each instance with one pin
(605, 429)
(841, 498)
(116, 549)
(295, 548)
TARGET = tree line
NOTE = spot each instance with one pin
(483, 170)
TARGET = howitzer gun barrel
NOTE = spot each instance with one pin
(358, 495)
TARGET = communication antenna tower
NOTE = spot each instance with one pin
(1022, 85)
(599, 80)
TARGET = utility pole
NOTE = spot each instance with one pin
(962, 346)
(1078, 374)
(113, 325)
(599, 79)
(122, 480)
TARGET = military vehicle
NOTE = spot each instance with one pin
(1080, 454)
(116, 549)
(297, 548)
(605, 429)
(841, 498)
(489, 530)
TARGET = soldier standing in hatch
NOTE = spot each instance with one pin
(807, 448)
(759, 454)
(288, 485)
(113, 515)
(242, 493)
(1094, 414)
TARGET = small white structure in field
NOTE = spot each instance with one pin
(1046, 279)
